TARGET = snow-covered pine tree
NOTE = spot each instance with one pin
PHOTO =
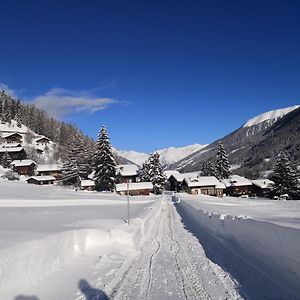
(286, 181)
(76, 166)
(208, 169)
(156, 174)
(222, 165)
(144, 171)
(104, 163)
(6, 160)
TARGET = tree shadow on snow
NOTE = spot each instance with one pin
(253, 284)
(22, 297)
(91, 293)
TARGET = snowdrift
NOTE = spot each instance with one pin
(273, 249)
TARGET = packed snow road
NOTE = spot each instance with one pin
(170, 264)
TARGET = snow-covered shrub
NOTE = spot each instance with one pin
(10, 175)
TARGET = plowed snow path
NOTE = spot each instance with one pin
(171, 264)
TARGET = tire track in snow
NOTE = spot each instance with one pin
(171, 264)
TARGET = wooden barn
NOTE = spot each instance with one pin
(134, 188)
(15, 153)
(261, 187)
(41, 180)
(54, 170)
(42, 141)
(87, 185)
(238, 186)
(128, 173)
(24, 167)
(175, 180)
(12, 137)
(204, 185)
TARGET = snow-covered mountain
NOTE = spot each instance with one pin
(272, 115)
(252, 147)
(168, 156)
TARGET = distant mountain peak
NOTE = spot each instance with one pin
(168, 156)
(270, 115)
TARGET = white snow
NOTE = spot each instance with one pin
(134, 186)
(87, 183)
(128, 170)
(13, 127)
(42, 178)
(13, 149)
(136, 157)
(201, 181)
(262, 238)
(49, 167)
(271, 115)
(236, 180)
(262, 183)
(23, 163)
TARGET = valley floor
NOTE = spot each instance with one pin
(61, 244)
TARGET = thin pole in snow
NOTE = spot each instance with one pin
(128, 217)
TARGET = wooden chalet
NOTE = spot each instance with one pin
(134, 188)
(201, 185)
(42, 141)
(175, 180)
(12, 137)
(41, 180)
(54, 170)
(128, 173)
(24, 167)
(238, 186)
(15, 153)
(87, 185)
(261, 187)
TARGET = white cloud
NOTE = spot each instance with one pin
(8, 90)
(60, 102)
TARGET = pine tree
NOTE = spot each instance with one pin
(285, 179)
(208, 169)
(156, 174)
(75, 167)
(222, 166)
(104, 163)
(6, 160)
(144, 171)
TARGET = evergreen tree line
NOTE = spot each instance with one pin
(40, 122)
(81, 162)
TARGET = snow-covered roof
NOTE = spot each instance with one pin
(52, 167)
(87, 183)
(262, 183)
(8, 134)
(42, 178)
(201, 181)
(180, 176)
(23, 163)
(133, 186)
(270, 115)
(236, 180)
(41, 137)
(220, 185)
(10, 145)
(169, 173)
(128, 170)
(12, 149)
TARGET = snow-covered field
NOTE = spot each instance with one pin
(56, 243)
(257, 241)
(51, 237)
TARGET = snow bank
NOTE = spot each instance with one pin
(271, 248)
(28, 263)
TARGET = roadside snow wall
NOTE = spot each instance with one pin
(273, 249)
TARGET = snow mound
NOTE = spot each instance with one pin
(270, 115)
(6, 127)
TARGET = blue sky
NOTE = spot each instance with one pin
(157, 73)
